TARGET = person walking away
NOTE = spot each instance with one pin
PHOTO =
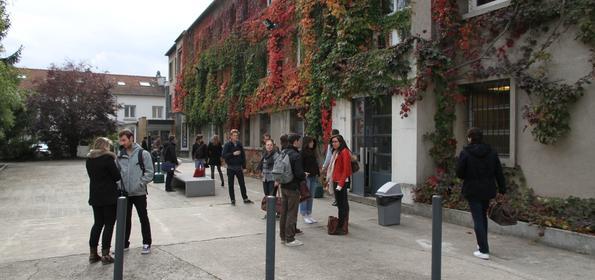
(340, 168)
(169, 155)
(269, 186)
(326, 164)
(156, 149)
(136, 171)
(290, 193)
(214, 151)
(103, 196)
(480, 168)
(235, 158)
(199, 152)
(312, 171)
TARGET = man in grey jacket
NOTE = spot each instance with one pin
(137, 171)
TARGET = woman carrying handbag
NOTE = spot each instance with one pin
(269, 186)
(340, 168)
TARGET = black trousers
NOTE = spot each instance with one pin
(268, 188)
(168, 180)
(239, 173)
(479, 212)
(213, 173)
(342, 203)
(104, 219)
(140, 203)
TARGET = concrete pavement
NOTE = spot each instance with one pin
(45, 222)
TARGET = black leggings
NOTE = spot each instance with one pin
(105, 218)
(213, 172)
(342, 203)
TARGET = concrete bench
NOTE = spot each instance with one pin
(195, 186)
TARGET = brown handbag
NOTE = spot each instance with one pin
(333, 222)
(502, 213)
(278, 202)
(304, 191)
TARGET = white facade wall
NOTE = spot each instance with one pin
(144, 107)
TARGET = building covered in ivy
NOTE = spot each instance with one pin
(402, 81)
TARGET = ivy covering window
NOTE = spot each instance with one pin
(130, 111)
(489, 109)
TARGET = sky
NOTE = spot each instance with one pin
(118, 36)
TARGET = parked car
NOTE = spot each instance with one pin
(41, 150)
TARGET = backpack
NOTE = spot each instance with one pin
(282, 172)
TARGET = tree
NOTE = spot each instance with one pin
(11, 99)
(72, 106)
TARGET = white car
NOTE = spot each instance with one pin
(41, 149)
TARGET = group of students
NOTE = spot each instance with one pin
(305, 169)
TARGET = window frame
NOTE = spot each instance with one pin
(509, 160)
(129, 111)
(157, 112)
(476, 10)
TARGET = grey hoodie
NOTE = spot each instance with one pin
(135, 182)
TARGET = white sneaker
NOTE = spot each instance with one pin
(312, 220)
(146, 249)
(481, 255)
(307, 220)
(294, 243)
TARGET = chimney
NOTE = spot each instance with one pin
(160, 80)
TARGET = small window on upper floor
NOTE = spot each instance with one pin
(120, 83)
(392, 6)
(480, 6)
(145, 84)
(269, 2)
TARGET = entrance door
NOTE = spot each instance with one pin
(371, 126)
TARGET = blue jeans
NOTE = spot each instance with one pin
(479, 210)
(306, 205)
(197, 161)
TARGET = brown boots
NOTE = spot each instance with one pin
(106, 258)
(93, 256)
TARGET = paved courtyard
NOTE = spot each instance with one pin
(45, 222)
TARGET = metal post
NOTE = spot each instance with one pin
(436, 236)
(120, 235)
(270, 243)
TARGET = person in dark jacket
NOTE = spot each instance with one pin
(144, 144)
(103, 195)
(214, 151)
(199, 152)
(479, 167)
(290, 193)
(169, 155)
(312, 171)
(235, 158)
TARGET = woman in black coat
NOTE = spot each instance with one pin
(103, 196)
(480, 168)
(214, 151)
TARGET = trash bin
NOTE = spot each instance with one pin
(388, 201)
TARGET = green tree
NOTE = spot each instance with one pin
(11, 99)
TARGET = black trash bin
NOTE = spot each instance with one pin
(388, 202)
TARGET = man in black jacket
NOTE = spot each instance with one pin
(235, 158)
(480, 168)
(169, 155)
(291, 194)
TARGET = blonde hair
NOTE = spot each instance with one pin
(102, 143)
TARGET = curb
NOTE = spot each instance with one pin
(553, 237)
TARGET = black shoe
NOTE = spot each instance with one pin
(298, 231)
(233, 203)
(335, 203)
(222, 185)
(248, 201)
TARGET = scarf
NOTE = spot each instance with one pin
(329, 172)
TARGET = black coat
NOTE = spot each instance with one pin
(310, 162)
(297, 167)
(169, 153)
(103, 175)
(214, 153)
(480, 168)
(232, 160)
(199, 151)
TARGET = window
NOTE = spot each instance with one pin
(489, 109)
(475, 5)
(395, 39)
(178, 61)
(22, 76)
(120, 83)
(129, 111)
(265, 124)
(245, 132)
(171, 71)
(144, 84)
(392, 6)
(296, 123)
(157, 112)
(299, 51)
(269, 2)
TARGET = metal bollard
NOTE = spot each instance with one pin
(270, 243)
(120, 235)
(436, 236)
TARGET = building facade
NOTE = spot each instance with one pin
(408, 132)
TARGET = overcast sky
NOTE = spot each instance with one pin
(118, 36)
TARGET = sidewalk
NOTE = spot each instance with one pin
(45, 222)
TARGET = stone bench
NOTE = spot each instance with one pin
(195, 186)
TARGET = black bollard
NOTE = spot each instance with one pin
(436, 236)
(270, 243)
(120, 235)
